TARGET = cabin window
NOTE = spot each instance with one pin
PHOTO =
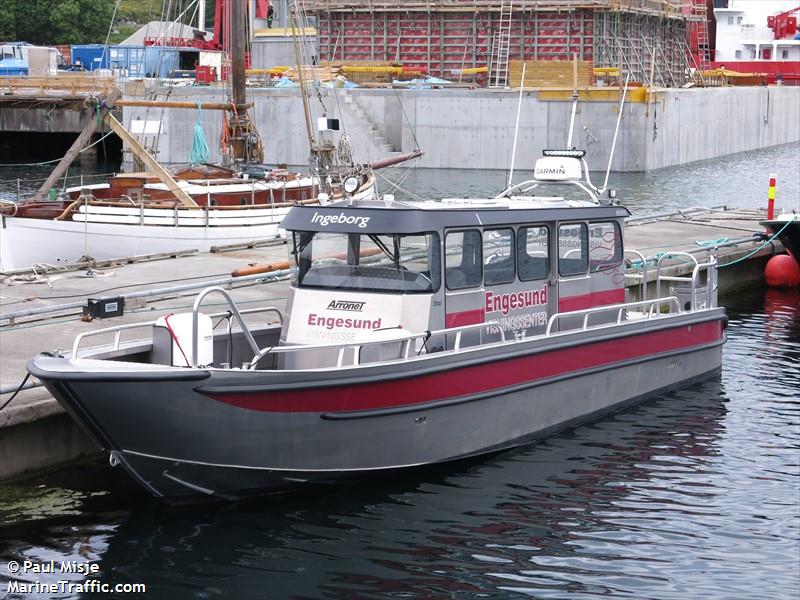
(738, 54)
(605, 246)
(533, 254)
(573, 249)
(463, 259)
(498, 256)
(407, 264)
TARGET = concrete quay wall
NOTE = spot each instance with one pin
(475, 128)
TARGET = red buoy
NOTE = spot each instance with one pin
(782, 271)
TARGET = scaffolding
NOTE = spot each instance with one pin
(646, 38)
(652, 50)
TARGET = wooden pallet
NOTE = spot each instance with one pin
(549, 73)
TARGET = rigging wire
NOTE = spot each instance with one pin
(108, 36)
(399, 187)
(405, 116)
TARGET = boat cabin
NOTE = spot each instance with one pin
(384, 268)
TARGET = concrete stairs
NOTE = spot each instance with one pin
(379, 138)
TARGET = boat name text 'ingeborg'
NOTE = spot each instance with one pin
(341, 218)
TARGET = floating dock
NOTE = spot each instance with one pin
(42, 312)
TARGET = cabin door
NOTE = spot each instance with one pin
(520, 293)
(574, 282)
(463, 276)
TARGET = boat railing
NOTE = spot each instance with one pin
(404, 340)
(652, 309)
(640, 265)
(235, 312)
(699, 296)
(118, 329)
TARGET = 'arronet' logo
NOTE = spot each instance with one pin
(346, 305)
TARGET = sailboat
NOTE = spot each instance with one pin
(196, 208)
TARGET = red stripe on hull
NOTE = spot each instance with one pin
(591, 300)
(466, 317)
(471, 380)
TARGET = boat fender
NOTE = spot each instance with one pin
(782, 271)
(255, 268)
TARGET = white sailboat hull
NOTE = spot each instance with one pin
(25, 241)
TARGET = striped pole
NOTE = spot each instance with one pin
(771, 197)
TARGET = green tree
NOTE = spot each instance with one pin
(8, 23)
(50, 22)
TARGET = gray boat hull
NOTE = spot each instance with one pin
(184, 433)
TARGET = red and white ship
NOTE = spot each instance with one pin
(759, 36)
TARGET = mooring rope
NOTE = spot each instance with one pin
(761, 247)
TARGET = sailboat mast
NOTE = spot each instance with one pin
(245, 143)
(237, 46)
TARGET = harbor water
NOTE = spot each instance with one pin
(691, 494)
(739, 181)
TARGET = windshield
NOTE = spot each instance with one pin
(368, 262)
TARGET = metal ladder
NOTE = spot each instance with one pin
(700, 10)
(501, 46)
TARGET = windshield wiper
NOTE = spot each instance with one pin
(305, 240)
(379, 243)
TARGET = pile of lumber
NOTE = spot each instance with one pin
(374, 71)
(312, 73)
(550, 73)
(361, 72)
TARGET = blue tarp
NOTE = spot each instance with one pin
(13, 67)
(421, 84)
(285, 82)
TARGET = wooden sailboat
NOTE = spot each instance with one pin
(157, 211)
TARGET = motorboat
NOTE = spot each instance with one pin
(786, 226)
(415, 332)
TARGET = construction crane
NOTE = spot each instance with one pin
(783, 24)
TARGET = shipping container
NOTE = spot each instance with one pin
(127, 59)
(160, 61)
(89, 57)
